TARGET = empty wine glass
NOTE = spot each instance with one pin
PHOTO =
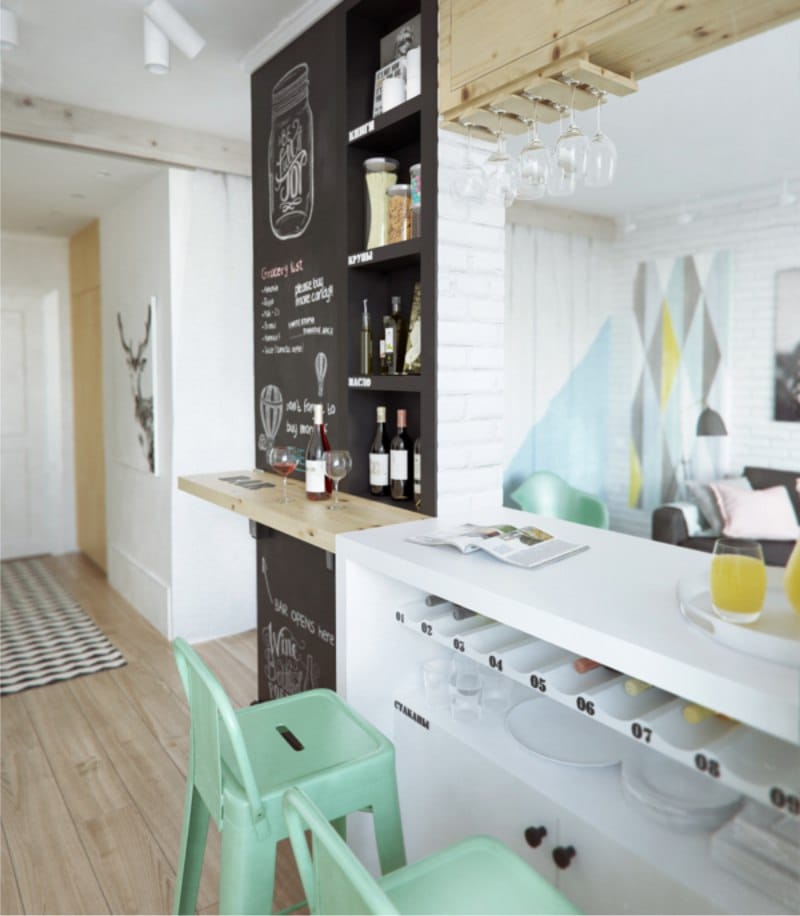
(469, 181)
(338, 464)
(502, 169)
(283, 459)
(560, 182)
(534, 161)
(601, 154)
(571, 145)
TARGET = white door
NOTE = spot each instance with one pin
(23, 416)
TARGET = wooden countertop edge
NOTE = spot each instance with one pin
(301, 519)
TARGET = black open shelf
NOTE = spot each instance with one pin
(387, 132)
(387, 257)
(385, 383)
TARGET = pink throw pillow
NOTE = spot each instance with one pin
(767, 514)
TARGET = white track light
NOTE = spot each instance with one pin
(156, 48)
(175, 27)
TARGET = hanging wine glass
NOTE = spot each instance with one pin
(502, 169)
(469, 181)
(571, 146)
(601, 155)
(560, 183)
(534, 161)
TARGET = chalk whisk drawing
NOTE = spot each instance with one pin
(138, 360)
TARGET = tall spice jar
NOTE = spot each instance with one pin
(380, 173)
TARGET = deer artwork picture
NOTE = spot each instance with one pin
(137, 359)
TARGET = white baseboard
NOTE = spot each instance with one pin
(148, 594)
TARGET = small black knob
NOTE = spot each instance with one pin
(563, 855)
(535, 835)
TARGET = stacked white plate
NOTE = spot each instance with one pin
(676, 796)
(762, 846)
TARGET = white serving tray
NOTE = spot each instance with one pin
(774, 636)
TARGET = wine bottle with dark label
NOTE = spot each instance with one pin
(400, 461)
(399, 337)
(379, 457)
(318, 486)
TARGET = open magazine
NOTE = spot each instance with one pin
(525, 547)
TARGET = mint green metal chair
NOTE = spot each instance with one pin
(478, 875)
(242, 761)
(546, 493)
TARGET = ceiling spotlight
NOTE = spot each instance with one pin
(175, 27)
(8, 29)
(156, 48)
(786, 198)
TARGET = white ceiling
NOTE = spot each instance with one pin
(719, 124)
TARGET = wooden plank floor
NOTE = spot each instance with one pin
(93, 772)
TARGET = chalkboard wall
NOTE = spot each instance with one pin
(299, 262)
(299, 248)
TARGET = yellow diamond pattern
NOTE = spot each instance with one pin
(670, 356)
(635, 485)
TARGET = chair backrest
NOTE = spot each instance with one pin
(334, 880)
(545, 493)
(213, 720)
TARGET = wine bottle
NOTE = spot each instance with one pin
(400, 460)
(418, 473)
(318, 486)
(365, 344)
(379, 457)
(399, 338)
(388, 362)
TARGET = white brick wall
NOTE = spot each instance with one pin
(471, 291)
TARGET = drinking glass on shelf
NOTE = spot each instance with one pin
(571, 145)
(283, 459)
(469, 181)
(338, 464)
(534, 161)
(738, 580)
(601, 154)
(502, 169)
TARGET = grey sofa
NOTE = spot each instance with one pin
(669, 522)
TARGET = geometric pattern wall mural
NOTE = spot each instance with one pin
(681, 310)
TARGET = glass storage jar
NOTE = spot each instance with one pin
(379, 174)
(399, 196)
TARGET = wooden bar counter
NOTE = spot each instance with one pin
(303, 519)
(295, 567)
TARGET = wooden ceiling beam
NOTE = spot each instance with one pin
(25, 117)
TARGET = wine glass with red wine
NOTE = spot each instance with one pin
(283, 459)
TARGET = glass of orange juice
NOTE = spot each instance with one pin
(738, 580)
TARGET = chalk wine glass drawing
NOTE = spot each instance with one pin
(290, 159)
(141, 376)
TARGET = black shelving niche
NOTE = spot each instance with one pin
(406, 133)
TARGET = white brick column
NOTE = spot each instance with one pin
(471, 304)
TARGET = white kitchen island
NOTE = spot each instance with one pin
(615, 603)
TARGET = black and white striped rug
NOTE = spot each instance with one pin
(45, 635)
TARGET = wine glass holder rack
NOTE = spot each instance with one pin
(759, 766)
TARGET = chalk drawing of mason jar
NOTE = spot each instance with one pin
(291, 155)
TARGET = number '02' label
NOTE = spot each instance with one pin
(379, 470)
(315, 476)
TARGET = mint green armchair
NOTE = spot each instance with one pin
(546, 493)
